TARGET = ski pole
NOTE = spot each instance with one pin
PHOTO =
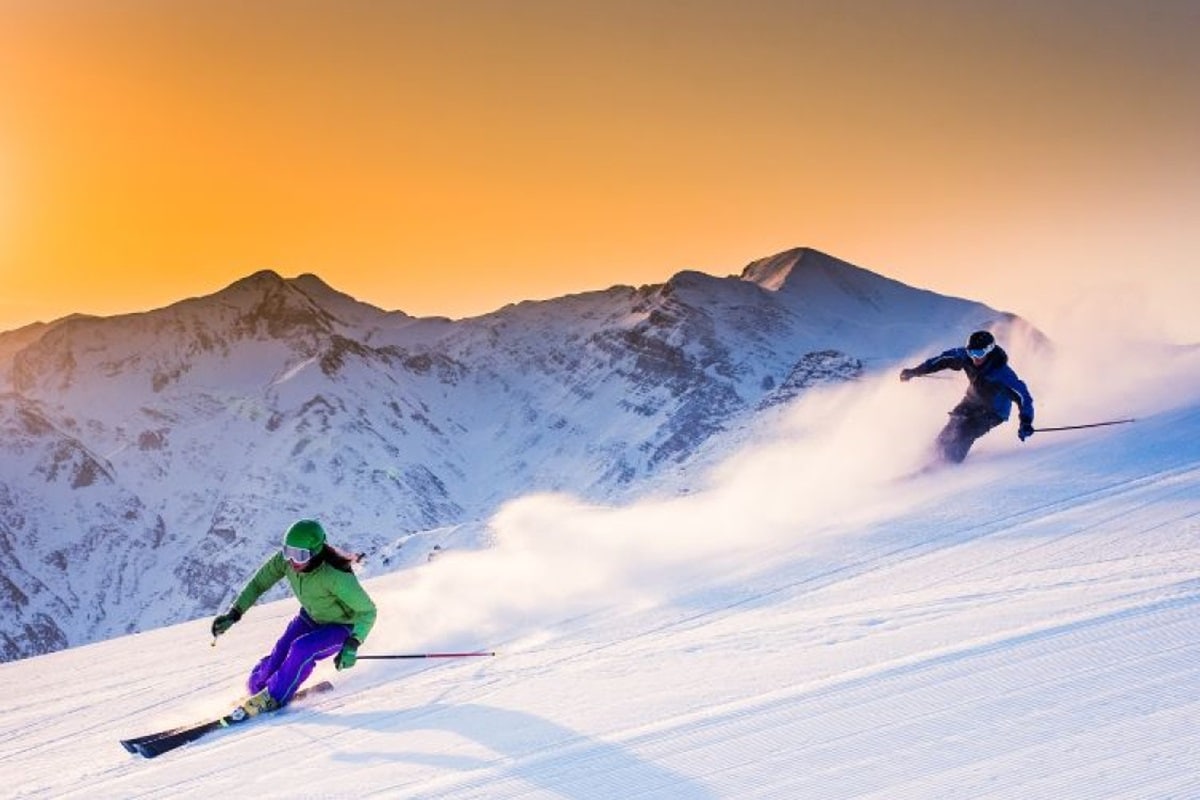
(430, 655)
(1089, 425)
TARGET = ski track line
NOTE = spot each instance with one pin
(1054, 780)
(947, 579)
(874, 562)
(63, 719)
(1020, 706)
(777, 702)
(327, 706)
(325, 714)
(924, 662)
(973, 533)
(580, 757)
(792, 695)
(34, 703)
(1093, 522)
(1050, 778)
(722, 725)
(1072, 503)
(213, 739)
(135, 768)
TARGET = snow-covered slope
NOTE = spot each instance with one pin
(805, 624)
(146, 459)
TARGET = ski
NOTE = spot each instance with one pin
(177, 738)
(155, 744)
(132, 743)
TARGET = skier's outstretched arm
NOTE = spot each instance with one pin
(951, 359)
(270, 573)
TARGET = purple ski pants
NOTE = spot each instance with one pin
(291, 661)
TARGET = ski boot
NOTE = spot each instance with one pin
(254, 705)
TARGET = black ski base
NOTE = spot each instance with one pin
(155, 744)
(149, 748)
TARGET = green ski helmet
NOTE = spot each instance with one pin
(303, 540)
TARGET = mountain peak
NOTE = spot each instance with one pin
(263, 279)
(310, 282)
(248, 292)
(778, 272)
(344, 307)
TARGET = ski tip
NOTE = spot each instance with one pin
(136, 748)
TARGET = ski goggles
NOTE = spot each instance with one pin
(297, 555)
(980, 352)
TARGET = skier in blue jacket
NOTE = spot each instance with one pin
(993, 388)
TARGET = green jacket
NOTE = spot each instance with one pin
(326, 593)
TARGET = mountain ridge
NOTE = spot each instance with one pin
(187, 437)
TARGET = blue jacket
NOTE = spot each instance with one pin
(993, 384)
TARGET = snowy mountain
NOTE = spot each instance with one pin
(804, 624)
(151, 460)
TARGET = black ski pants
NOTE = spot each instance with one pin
(967, 423)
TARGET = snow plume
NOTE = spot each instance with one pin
(1104, 364)
(831, 465)
(827, 470)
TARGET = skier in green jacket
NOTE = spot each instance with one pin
(335, 615)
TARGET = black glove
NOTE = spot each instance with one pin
(1026, 429)
(906, 374)
(349, 654)
(225, 621)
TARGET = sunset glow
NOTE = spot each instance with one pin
(446, 158)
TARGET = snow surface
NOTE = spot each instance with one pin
(807, 623)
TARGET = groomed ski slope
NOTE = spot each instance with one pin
(806, 625)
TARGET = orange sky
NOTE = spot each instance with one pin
(447, 157)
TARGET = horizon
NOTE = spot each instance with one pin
(288, 278)
(1071, 327)
(446, 161)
